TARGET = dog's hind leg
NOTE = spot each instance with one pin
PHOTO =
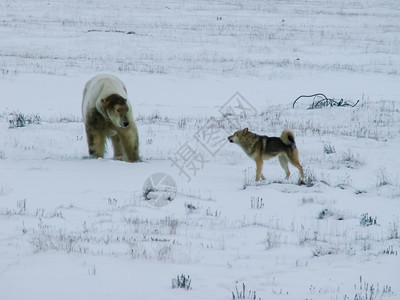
(294, 160)
(259, 164)
(298, 166)
(283, 159)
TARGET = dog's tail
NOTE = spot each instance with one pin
(287, 138)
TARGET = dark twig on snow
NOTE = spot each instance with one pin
(320, 101)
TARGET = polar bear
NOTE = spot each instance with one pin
(107, 113)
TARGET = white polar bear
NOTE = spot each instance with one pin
(107, 113)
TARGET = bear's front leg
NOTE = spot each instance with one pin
(130, 143)
(119, 153)
(96, 143)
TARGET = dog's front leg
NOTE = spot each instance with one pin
(259, 164)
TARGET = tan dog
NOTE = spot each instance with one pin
(108, 114)
(261, 148)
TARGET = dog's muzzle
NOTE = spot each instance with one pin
(230, 139)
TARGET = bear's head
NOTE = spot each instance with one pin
(117, 109)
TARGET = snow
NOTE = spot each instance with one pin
(73, 227)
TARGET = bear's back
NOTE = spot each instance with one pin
(99, 87)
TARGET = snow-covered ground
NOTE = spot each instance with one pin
(78, 228)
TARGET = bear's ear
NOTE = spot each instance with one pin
(246, 130)
(104, 103)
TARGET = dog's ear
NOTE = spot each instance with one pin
(246, 130)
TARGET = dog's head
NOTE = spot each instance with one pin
(235, 138)
(117, 109)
